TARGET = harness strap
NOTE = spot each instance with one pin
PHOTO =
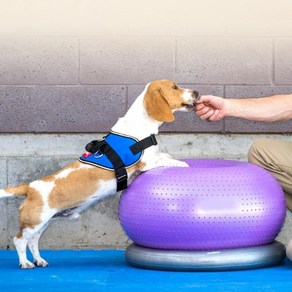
(143, 144)
(118, 164)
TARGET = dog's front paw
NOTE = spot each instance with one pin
(177, 163)
(165, 162)
(183, 164)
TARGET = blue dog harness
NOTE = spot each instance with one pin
(116, 152)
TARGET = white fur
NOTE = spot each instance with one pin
(64, 173)
(44, 188)
(4, 194)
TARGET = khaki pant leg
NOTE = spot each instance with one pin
(276, 157)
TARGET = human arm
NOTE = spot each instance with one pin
(262, 109)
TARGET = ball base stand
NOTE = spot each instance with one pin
(228, 259)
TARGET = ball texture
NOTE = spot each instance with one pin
(212, 204)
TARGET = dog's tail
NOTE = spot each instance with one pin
(20, 190)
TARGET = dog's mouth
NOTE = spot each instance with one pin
(189, 105)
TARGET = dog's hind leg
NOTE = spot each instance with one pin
(20, 242)
(33, 245)
(24, 238)
(34, 216)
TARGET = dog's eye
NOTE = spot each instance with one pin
(175, 87)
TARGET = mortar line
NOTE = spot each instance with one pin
(127, 96)
(224, 120)
(273, 65)
(78, 62)
(175, 56)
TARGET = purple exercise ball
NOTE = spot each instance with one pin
(211, 205)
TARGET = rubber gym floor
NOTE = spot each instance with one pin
(107, 270)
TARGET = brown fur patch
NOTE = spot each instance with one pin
(30, 210)
(18, 190)
(77, 187)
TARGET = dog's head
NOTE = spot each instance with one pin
(164, 97)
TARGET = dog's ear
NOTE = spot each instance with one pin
(157, 106)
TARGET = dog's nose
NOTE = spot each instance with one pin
(195, 93)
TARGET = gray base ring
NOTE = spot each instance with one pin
(228, 259)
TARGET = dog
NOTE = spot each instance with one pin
(74, 188)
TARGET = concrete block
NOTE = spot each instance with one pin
(206, 145)
(27, 169)
(242, 126)
(286, 232)
(12, 226)
(38, 60)
(126, 60)
(3, 169)
(39, 145)
(3, 224)
(55, 150)
(14, 109)
(224, 60)
(185, 122)
(77, 109)
(283, 61)
(3, 205)
(98, 227)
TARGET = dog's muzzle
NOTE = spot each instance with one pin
(195, 96)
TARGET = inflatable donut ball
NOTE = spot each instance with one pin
(212, 204)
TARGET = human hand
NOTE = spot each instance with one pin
(211, 108)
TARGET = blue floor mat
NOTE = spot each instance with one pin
(106, 270)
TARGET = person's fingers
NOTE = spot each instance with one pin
(215, 117)
(207, 115)
(198, 107)
(199, 102)
(204, 99)
(203, 111)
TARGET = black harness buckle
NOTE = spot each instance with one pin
(122, 178)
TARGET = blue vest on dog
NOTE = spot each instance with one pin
(121, 145)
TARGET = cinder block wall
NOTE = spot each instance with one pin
(82, 85)
(59, 92)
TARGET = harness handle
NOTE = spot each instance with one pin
(143, 144)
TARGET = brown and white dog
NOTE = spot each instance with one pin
(74, 188)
